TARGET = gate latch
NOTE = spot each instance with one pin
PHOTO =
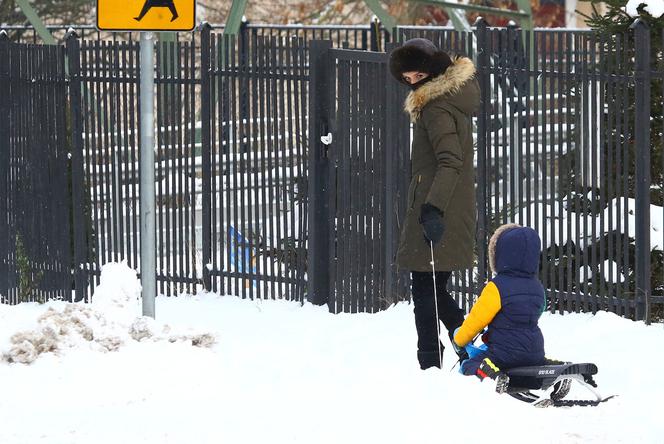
(327, 139)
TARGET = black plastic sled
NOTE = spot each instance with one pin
(521, 380)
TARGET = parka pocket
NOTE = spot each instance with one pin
(412, 190)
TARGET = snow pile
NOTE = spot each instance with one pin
(118, 292)
(103, 326)
(653, 7)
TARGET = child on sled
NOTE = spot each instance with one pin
(510, 305)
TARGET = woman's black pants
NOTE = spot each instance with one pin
(425, 314)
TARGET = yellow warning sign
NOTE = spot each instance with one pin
(146, 15)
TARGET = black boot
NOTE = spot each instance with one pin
(430, 359)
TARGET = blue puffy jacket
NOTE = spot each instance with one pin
(512, 302)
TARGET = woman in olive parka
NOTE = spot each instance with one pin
(441, 213)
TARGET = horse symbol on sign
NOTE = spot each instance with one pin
(149, 4)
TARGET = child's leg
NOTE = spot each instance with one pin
(483, 366)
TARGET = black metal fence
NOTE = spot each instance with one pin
(281, 162)
(34, 190)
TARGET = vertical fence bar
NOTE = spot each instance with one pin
(625, 173)
(279, 165)
(483, 76)
(161, 187)
(343, 188)
(125, 158)
(364, 218)
(5, 113)
(594, 169)
(133, 140)
(601, 128)
(318, 211)
(219, 146)
(660, 72)
(205, 153)
(77, 181)
(5, 110)
(613, 148)
(642, 174)
(253, 154)
(263, 134)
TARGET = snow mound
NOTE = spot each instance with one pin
(119, 292)
(58, 330)
(103, 326)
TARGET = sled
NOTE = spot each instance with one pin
(559, 376)
(519, 382)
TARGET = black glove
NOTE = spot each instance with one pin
(431, 219)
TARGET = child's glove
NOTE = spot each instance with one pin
(460, 351)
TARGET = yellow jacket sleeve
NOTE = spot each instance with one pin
(483, 312)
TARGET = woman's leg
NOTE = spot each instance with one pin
(448, 311)
(425, 320)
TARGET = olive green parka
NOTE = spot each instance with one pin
(442, 169)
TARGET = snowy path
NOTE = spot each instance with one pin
(281, 373)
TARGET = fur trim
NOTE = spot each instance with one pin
(494, 240)
(458, 74)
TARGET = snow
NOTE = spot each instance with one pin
(280, 372)
(653, 7)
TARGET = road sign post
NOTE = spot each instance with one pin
(146, 174)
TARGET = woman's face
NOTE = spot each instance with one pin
(412, 77)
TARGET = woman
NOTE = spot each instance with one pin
(440, 220)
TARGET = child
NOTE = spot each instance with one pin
(510, 304)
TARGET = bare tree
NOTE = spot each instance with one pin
(50, 11)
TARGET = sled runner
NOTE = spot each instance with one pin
(519, 382)
(561, 376)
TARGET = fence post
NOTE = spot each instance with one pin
(206, 104)
(4, 164)
(483, 64)
(391, 148)
(318, 211)
(77, 182)
(642, 173)
(374, 34)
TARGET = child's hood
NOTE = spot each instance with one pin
(515, 249)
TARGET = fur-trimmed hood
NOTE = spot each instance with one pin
(453, 84)
(515, 250)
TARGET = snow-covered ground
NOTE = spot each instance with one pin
(284, 373)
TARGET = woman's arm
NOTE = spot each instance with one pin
(442, 132)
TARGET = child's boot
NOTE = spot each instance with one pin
(488, 369)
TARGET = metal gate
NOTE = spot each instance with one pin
(35, 248)
(359, 166)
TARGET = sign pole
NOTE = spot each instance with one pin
(146, 174)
